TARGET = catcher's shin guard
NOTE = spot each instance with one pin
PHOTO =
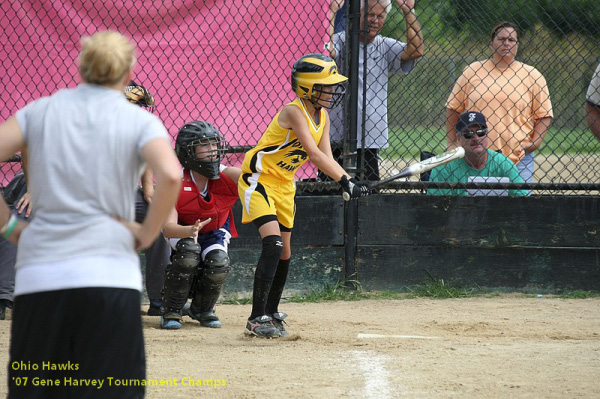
(179, 276)
(210, 281)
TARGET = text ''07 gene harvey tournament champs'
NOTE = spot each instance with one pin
(28, 378)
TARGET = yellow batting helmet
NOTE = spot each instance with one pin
(316, 78)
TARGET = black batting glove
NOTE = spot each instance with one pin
(355, 188)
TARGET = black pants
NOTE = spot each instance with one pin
(157, 255)
(371, 156)
(71, 338)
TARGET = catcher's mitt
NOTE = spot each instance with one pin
(139, 95)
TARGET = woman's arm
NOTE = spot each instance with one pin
(540, 128)
(11, 142)
(148, 184)
(161, 158)
(24, 203)
(451, 119)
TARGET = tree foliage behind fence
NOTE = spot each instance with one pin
(559, 38)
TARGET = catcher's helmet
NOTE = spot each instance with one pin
(200, 133)
(139, 95)
(314, 77)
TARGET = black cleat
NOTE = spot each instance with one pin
(155, 308)
(261, 327)
(280, 323)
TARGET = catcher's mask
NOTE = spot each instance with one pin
(139, 95)
(315, 77)
(199, 147)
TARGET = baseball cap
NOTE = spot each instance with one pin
(470, 118)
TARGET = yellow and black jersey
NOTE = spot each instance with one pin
(279, 153)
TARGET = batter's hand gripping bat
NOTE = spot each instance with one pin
(421, 167)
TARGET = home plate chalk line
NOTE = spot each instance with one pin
(372, 367)
(364, 336)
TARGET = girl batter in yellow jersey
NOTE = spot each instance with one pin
(298, 132)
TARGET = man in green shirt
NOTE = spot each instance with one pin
(479, 161)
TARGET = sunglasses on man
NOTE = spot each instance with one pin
(468, 134)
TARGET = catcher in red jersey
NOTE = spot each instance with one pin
(199, 227)
(300, 131)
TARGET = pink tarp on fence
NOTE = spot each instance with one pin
(228, 62)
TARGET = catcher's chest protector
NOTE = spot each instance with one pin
(191, 206)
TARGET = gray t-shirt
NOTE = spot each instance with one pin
(593, 91)
(383, 57)
(84, 167)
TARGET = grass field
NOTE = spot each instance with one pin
(410, 141)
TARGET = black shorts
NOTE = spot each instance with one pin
(77, 343)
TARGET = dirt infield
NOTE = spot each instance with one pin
(508, 346)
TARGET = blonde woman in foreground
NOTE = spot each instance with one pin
(76, 322)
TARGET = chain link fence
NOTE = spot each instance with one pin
(229, 62)
(558, 40)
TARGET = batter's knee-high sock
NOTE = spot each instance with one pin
(277, 286)
(272, 247)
